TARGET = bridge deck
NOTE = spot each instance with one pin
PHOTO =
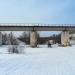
(37, 27)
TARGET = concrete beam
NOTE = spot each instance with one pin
(37, 28)
(65, 38)
(33, 39)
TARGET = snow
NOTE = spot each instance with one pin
(38, 61)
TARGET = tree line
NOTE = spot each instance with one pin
(10, 39)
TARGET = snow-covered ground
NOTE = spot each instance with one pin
(38, 61)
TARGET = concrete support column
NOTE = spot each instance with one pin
(65, 38)
(0, 38)
(33, 39)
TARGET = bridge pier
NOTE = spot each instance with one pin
(0, 38)
(33, 39)
(65, 38)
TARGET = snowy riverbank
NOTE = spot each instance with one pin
(39, 61)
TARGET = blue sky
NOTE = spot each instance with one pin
(37, 11)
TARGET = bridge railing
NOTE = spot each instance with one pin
(33, 24)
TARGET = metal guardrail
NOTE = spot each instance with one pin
(33, 24)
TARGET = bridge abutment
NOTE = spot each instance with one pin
(33, 39)
(65, 38)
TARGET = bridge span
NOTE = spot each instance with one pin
(37, 27)
(65, 28)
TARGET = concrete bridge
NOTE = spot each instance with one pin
(65, 28)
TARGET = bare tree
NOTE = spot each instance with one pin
(15, 46)
(4, 39)
(0, 38)
(25, 37)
